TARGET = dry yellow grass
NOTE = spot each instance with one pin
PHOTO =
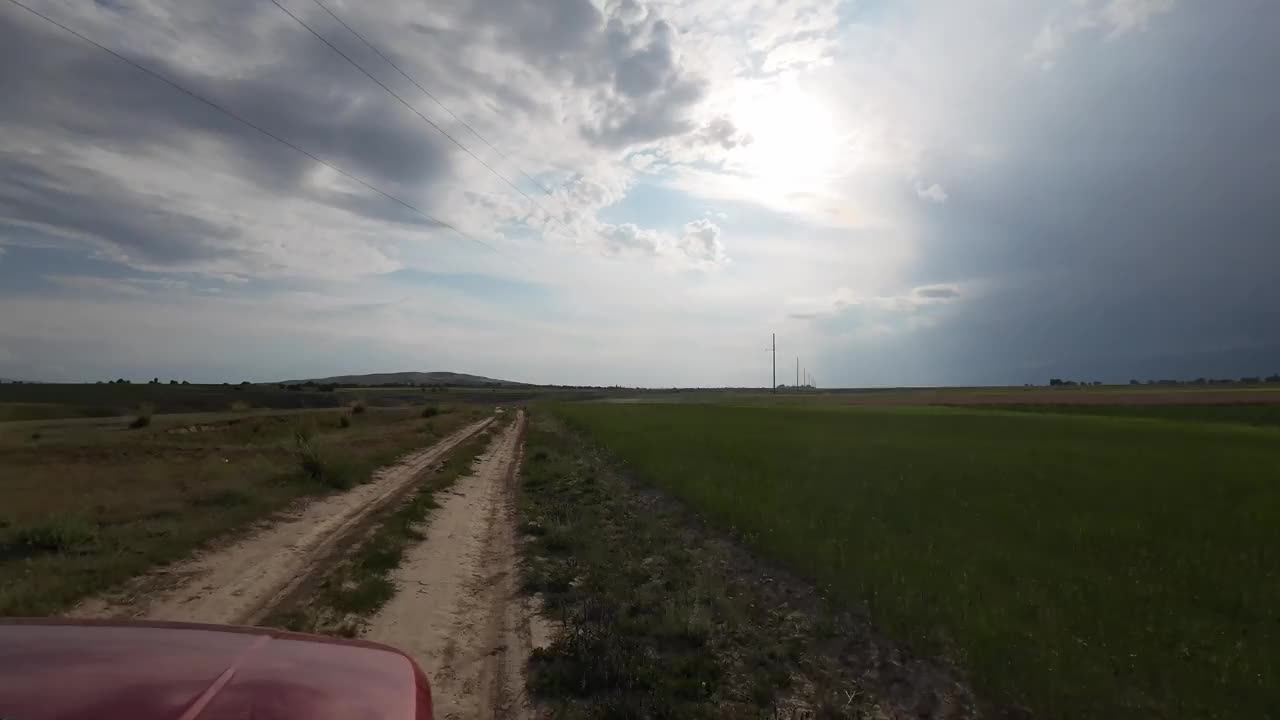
(84, 506)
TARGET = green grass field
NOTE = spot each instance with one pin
(1261, 414)
(1080, 566)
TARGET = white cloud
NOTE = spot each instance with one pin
(1110, 17)
(799, 54)
(1121, 16)
(136, 287)
(933, 193)
(910, 303)
(698, 244)
(701, 242)
(629, 237)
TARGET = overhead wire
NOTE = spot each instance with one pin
(412, 109)
(225, 111)
(428, 93)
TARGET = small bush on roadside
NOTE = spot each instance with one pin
(320, 466)
(57, 534)
(430, 411)
(357, 407)
(143, 418)
(344, 421)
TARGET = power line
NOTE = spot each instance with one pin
(174, 84)
(426, 92)
(412, 109)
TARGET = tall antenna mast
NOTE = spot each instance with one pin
(774, 350)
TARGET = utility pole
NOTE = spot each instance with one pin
(774, 349)
(797, 372)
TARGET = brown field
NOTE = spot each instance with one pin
(90, 503)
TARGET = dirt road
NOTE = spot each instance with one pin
(458, 612)
(241, 582)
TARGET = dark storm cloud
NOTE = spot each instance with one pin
(307, 95)
(627, 61)
(653, 93)
(936, 292)
(100, 207)
(643, 70)
(546, 32)
(59, 88)
(661, 115)
(1128, 225)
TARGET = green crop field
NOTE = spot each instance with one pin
(1247, 414)
(1078, 566)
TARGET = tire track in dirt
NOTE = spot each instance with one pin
(458, 611)
(241, 582)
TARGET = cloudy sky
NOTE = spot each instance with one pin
(907, 193)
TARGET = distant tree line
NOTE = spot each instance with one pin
(1256, 380)
(153, 381)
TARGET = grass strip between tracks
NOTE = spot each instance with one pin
(341, 600)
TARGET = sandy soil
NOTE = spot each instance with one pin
(240, 582)
(458, 611)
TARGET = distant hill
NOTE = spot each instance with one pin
(412, 378)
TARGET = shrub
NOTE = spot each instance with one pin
(430, 411)
(143, 418)
(65, 534)
(357, 407)
(344, 421)
(317, 465)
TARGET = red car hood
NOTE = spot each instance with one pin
(177, 671)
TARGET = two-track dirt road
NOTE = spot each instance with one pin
(458, 611)
(241, 582)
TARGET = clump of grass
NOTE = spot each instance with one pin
(143, 418)
(430, 411)
(240, 406)
(358, 407)
(319, 465)
(56, 534)
(344, 421)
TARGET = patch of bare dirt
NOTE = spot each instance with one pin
(458, 611)
(240, 582)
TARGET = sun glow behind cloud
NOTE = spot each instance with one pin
(796, 143)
